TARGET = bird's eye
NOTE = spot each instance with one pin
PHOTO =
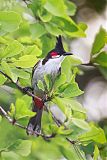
(54, 54)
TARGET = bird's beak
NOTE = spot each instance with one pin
(67, 54)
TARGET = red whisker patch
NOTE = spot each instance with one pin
(53, 54)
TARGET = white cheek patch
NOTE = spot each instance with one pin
(56, 56)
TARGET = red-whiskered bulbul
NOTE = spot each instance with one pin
(51, 65)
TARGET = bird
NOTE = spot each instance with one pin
(50, 65)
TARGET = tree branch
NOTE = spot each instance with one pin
(11, 121)
(20, 87)
(4, 113)
(46, 137)
(59, 123)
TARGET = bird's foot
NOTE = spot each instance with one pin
(28, 88)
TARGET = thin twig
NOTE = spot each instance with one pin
(20, 87)
(11, 121)
(58, 123)
(46, 137)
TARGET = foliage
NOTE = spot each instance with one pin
(27, 34)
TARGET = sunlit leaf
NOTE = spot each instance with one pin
(70, 153)
(64, 131)
(22, 110)
(2, 79)
(96, 153)
(20, 73)
(26, 61)
(48, 81)
(95, 134)
(37, 30)
(71, 8)
(6, 68)
(0, 118)
(57, 10)
(9, 21)
(12, 110)
(33, 50)
(59, 80)
(45, 16)
(101, 59)
(99, 41)
(71, 90)
(68, 26)
(60, 103)
(83, 26)
(74, 105)
(53, 29)
(9, 156)
(40, 85)
(13, 49)
(81, 123)
(21, 147)
(103, 70)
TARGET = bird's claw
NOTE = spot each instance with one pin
(25, 89)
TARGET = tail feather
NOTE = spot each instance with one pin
(34, 124)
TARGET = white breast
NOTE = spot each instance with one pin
(51, 67)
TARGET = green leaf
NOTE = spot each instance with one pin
(99, 41)
(12, 110)
(33, 50)
(3, 41)
(14, 48)
(73, 104)
(9, 21)
(56, 10)
(21, 147)
(71, 90)
(53, 29)
(9, 156)
(45, 16)
(66, 105)
(61, 79)
(60, 104)
(103, 70)
(26, 61)
(63, 131)
(20, 73)
(71, 8)
(74, 60)
(81, 123)
(46, 48)
(37, 30)
(101, 59)
(83, 26)
(66, 68)
(40, 85)
(70, 153)
(95, 134)
(48, 82)
(2, 79)
(22, 110)
(0, 118)
(6, 68)
(96, 153)
(68, 26)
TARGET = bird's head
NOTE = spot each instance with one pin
(57, 52)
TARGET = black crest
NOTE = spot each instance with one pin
(59, 49)
(59, 46)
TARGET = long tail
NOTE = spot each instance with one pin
(34, 124)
